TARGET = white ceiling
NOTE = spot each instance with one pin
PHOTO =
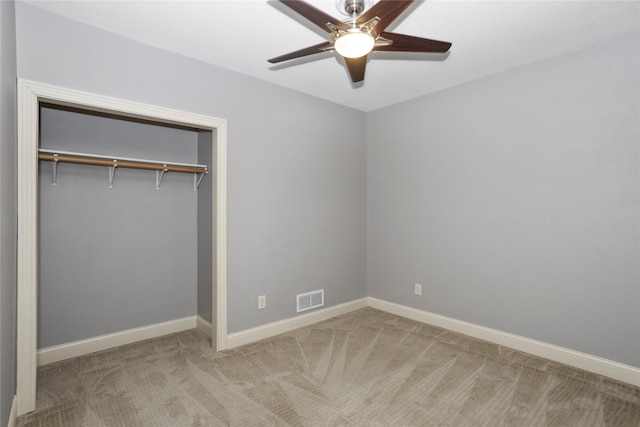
(240, 35)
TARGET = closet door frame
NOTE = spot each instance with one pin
(30, 95)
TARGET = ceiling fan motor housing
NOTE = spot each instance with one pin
(354, 7)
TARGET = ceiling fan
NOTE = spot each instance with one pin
(361, 34)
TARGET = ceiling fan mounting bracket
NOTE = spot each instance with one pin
(352, 8)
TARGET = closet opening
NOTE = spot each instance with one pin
(119, 248)
(122, 226)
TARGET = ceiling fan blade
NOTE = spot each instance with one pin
(314, 15)
(311, 50)
(386, 10)
(403, 43)
(356, 68)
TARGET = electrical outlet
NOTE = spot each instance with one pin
(262, 302)
(418, 289)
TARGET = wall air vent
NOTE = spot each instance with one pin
(310, 300)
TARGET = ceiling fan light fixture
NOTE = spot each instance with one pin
(354, 44)
(363, 32)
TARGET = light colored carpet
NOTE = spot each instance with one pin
(366, 368)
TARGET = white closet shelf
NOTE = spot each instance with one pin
(113, 162)
(121, 162)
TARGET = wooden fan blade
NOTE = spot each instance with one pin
(403, 43)
(356, 68)
(314, 15)
(386, 10)
(311, 50)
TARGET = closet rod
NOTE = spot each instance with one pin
(121, 162)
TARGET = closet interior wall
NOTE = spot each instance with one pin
(113, 259)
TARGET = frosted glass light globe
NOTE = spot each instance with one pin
(354, 44)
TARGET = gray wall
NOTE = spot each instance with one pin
(114, 258)
(8, 208)
(296, 164)
(513, 200)
(207, 268)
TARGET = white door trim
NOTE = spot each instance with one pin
(30, 94)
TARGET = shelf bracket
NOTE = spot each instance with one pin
(159, 176)
(54, 165)
(112, 172)
(197, 179)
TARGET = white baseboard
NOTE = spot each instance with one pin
(204, 326)
(12, 415)
(587, 362)
(247, 336)
(598, 365)
(103, 342)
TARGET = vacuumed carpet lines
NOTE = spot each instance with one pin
(365, 368)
